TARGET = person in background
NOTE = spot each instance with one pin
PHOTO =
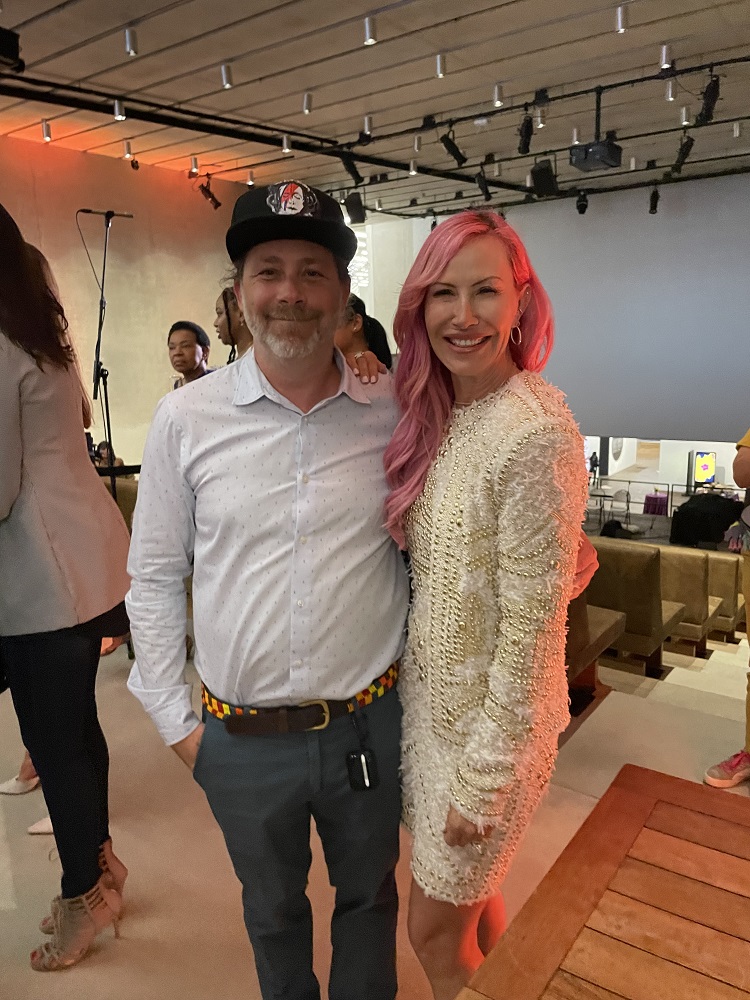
(488, 491)
(360, 332)
(736, 769)
(62, 589)
(189, 348)
(230, 325)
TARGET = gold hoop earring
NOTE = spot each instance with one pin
(516, 340)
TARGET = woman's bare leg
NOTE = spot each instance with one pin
(492, 924)
(444, 937)
(26, 771)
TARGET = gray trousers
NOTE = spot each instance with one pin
(263, 791)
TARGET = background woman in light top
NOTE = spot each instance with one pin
(63, 549)
(488, 484)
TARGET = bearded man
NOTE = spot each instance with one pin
(267, 481)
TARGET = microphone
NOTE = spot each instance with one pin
(107, 215)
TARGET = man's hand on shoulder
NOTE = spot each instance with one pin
(187, 749)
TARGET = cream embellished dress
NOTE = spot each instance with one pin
(493, 541)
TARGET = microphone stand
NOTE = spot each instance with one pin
(101, 375)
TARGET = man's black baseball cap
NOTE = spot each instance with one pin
(289, 210)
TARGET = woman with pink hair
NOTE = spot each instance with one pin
(488, 492)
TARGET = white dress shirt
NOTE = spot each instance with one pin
(298, 590)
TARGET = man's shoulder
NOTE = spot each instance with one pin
(380, 392)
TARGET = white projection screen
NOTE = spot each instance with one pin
(652, 311)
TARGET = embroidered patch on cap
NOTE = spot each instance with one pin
(292, 198)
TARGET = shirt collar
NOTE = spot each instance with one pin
(252, 384)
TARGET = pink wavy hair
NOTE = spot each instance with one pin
(423, 385)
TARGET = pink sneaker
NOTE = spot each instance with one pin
(730, 772)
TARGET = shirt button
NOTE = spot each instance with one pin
(305, 478)
(303, 539)
(300, 604)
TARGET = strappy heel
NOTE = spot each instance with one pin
(76, 923)
(114, 874)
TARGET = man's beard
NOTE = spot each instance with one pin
(294, 342)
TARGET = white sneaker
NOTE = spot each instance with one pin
(42, 826)
(15, 786)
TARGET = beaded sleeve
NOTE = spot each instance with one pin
(539, 500)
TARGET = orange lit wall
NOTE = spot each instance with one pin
(166, 264)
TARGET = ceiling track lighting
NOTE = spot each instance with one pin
(686, 147)
(497, 169)
(131, 42)
(540, 118)
(665, 62)
(412, 168)
(371, 34)
(119, 111)
(227, 81)
(46, 131)
(529, 181)
(497, 95)
(127, 151)
(205, 190)
(736, 130)
(286, 145)
(440, 66)
(621, 19)
(250, 179)
(576, 141)
(483, 186)
(378, 204)
(307, 103)
(367, 126)
(351, 168)
(582, 202)
(633, 163)
(669, 93)
(525, 131)
(710, 97)
(193, 172)
(417, 143)
(653, 202)
(448, 143)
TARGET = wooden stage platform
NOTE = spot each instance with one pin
(649, 901)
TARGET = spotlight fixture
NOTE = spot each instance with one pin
(458, 195)
(367, 125)
(684, 151)
(576, 140)
(135, 165)
(525, 131)
(483, 186)
(413, 202)
(653, 202)
(529, 180)
(666, 58)
(46, 131)
(736, 130)
(417, 143)
(250, 179)
(412, 168)
(440, 66)
(351, 168)
(119, 111)
(632, 163)
(193, 172)
(286, 145)
(497, 169)
(205, 190)
(685, 115)
(497, 95)
(582, 202)
(355, 208)
(540, 117)
(307, 103)
(449, 144)
(226, 76)
(669, 93)
(378, 204)
(127, 151)
(434, 223)
(710, 97)
(131, 42)
(371, 34)
(621, 20)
